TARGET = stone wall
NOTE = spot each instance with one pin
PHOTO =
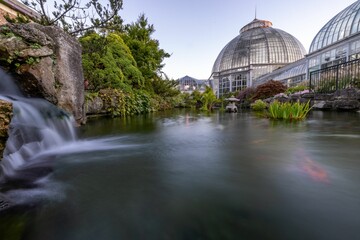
(342, 100)
(5, 118)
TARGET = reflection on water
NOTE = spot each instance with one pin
(186, 175)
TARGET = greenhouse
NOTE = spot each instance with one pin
(338, 41)
(290, 75)
(262, 53)
(258, 49)
(189, 84)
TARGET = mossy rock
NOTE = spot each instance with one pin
(6, 112)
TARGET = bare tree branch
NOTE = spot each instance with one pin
(76, 17)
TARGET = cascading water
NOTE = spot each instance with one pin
(36, 127)
(39, 134)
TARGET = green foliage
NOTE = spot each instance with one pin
(295, 89)
(13, 59)
(258, 105)
(32, 60)
(145, 50)
(108, 63)
(165, 88)
(356, 82)
(204, 101)
(89, 96)
(330, 85)
(124, 66)
(18, 19)
(119, 103)
(208, 99)
(327, 86)
(195, 99)
(269, 89)
(76, 16)
(181, 100)
(35, 46)
(289, 111)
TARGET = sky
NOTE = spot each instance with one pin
(195, 31)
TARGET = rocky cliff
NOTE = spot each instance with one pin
(47, 62)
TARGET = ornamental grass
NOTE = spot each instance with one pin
(289, 111)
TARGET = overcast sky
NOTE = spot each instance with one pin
(195, 31)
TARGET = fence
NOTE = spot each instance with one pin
(341, 76)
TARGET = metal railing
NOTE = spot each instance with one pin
(341, 76)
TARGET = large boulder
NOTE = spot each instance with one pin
(47, 62)
(5, 118)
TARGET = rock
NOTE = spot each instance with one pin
(308, 95)
(31, 34)
(349, 93)
(12, 44)
(358, 94)
(48, 63)
(94, 106)
(6, 112)
(346, 104)
(41, 52)
(321, 104)
(282, 99)
(323, 97)
(37, 82)
(294, 97)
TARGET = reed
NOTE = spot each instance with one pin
(289, 111)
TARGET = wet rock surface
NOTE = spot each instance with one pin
(47, 63)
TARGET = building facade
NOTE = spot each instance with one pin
(338, 41)
(189, 84)
(258, 49)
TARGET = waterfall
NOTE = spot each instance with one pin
(36, 127)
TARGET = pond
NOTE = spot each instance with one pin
(190, 175)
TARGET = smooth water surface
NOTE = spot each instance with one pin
(187, 175)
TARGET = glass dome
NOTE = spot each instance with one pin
(258, 44)
(344, 24)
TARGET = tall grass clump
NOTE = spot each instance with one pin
(289, 111)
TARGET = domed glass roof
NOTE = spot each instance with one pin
(344, 24)
(259, 43)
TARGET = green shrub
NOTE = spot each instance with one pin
(208, 99)
(290, 111)
(108, 63)
(258, 105)
(296, 89)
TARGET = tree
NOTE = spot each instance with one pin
(146, 51)
(108, 63)
(208, 99)
(165, 88)
(75, 16)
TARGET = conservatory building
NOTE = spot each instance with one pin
(189, 84)
(258, 49)
(338, 41)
